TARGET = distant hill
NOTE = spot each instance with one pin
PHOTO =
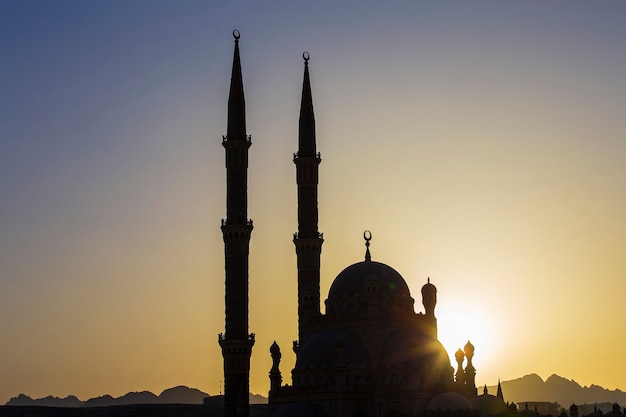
(176, 395)
(25, 400)
(143, 397)
(182, 395)
(531, 388)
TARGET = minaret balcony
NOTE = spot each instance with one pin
(296, 236)
(296, 156)
(225, 222)
(247, 139)
(221, 337)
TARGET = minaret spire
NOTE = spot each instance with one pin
(235, 342)
(306, 133)
(308, 240)
(236, 101)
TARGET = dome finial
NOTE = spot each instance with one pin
(367, 235)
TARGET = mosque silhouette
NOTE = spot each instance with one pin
(370, 354)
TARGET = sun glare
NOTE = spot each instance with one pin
(458, 324)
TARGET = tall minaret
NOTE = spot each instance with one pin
(308, 240)
(236, 343)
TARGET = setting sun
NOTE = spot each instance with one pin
(460, 322)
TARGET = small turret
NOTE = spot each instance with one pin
(276, 378)
(469, 352)
(499, 394)
(429, 298)
(470, 371)
(460, 374)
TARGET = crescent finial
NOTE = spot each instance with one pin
(367, 235)
(236, 34)
(306, 56)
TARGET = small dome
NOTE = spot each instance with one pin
(353, 280)
(321, 350)
(449, 401)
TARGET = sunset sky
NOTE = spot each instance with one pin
(483, 143)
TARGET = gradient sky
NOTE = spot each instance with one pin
(482, 142)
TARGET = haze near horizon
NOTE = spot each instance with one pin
(482, 144)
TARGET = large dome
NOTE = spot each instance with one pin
(356, 279)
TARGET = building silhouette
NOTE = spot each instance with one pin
(369, 354)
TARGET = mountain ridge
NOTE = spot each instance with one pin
(532, 388)
(175, 395)
(529, 388)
